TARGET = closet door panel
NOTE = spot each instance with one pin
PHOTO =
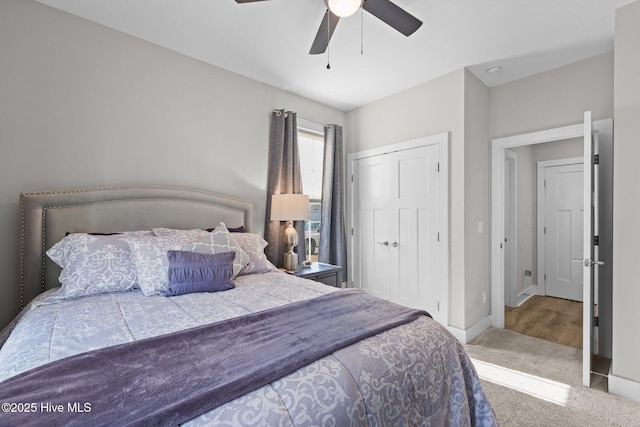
(413, 174)
(371, 189)
(414, 203)
(407, 289)
(381, 252)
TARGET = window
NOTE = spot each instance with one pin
(311, 148)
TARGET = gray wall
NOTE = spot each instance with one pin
(82, 105)
(477, 201)
(525, 216)
(554, 98)
(626, 202)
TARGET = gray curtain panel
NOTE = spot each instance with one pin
(283, 178)
(333, 244)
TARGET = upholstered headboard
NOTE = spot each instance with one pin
(45, 218)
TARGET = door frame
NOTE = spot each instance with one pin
(498, 146)
(511, 206)
(442, 140)
(541, 214)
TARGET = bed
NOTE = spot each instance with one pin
(131, 339)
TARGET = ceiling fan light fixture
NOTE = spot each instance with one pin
(343, 8)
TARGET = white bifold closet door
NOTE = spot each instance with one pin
(396, 233)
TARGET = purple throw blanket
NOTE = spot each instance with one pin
(172, 378)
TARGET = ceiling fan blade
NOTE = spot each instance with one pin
(323, 35)
(248, 1)
(393, 15)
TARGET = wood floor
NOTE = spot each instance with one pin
(551, 319)
(556, 320)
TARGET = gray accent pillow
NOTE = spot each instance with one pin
(254, 246)
(94, 264)
(217, 241)
(191, 272)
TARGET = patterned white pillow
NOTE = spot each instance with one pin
(254, 246)
(217, 241)
(94, 264)
(195, 233)
(149, 255)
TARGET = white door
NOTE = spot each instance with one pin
(564, 230)
(589, 259)
(395, 211)
(413, 238)
(371, 224)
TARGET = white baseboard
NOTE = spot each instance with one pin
(466, 335)
(623, 387)
(526, 294)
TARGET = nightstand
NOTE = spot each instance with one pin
(323, 273)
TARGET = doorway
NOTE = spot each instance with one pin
(602, 295)
(526, 234)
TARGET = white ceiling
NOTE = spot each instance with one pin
(269, 41)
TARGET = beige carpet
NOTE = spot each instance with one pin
(541, 384)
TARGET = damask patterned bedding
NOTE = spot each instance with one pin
(415, 374)
(131, 286)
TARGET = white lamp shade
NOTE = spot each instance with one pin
(290, 207)
(343, 8)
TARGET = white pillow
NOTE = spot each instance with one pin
(94, 264)
(195, 233)
(218, 241)
(149, 255)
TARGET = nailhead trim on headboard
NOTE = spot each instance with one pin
(44, 248)
(22, 225)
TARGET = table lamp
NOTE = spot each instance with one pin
(290, 207)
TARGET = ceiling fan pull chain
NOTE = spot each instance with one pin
(361, 31)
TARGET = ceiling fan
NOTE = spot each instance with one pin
(385, 10)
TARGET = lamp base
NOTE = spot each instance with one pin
(291, 241)
(291, 261)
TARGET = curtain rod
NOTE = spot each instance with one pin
(311, 126)
(304, 124)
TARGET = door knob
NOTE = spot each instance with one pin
(587, 262)
(395, 244)
(385, 243)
